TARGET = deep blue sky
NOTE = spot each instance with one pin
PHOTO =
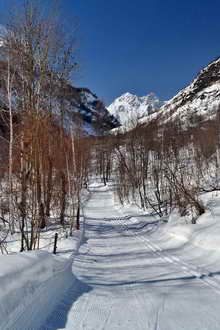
(143, 46)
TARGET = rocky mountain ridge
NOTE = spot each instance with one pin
(199, 101)
(130, 107)
(84, 104)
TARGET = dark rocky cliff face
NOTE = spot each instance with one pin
(207, 77)
(92, 110)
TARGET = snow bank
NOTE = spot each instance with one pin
(29, 282)
(205, 234)
(197, 240)
(32, 283)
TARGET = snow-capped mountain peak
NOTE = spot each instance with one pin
(129, 106)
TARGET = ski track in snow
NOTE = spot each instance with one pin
(125, 280)
(191, 270)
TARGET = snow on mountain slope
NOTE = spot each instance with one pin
(129, 107)
(197, 102)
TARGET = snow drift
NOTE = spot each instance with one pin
(25, 279)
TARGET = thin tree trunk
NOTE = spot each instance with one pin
(63, 199)
(11, 141)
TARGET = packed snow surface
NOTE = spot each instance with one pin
(133, 271)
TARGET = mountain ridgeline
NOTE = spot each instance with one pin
(130, 107)
(198, 102)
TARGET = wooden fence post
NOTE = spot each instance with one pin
(55, 244)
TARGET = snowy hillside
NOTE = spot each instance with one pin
(129, 107)
(198, 101)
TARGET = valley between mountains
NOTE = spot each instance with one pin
(109, 215)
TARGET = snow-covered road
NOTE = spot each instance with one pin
(128, 280)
